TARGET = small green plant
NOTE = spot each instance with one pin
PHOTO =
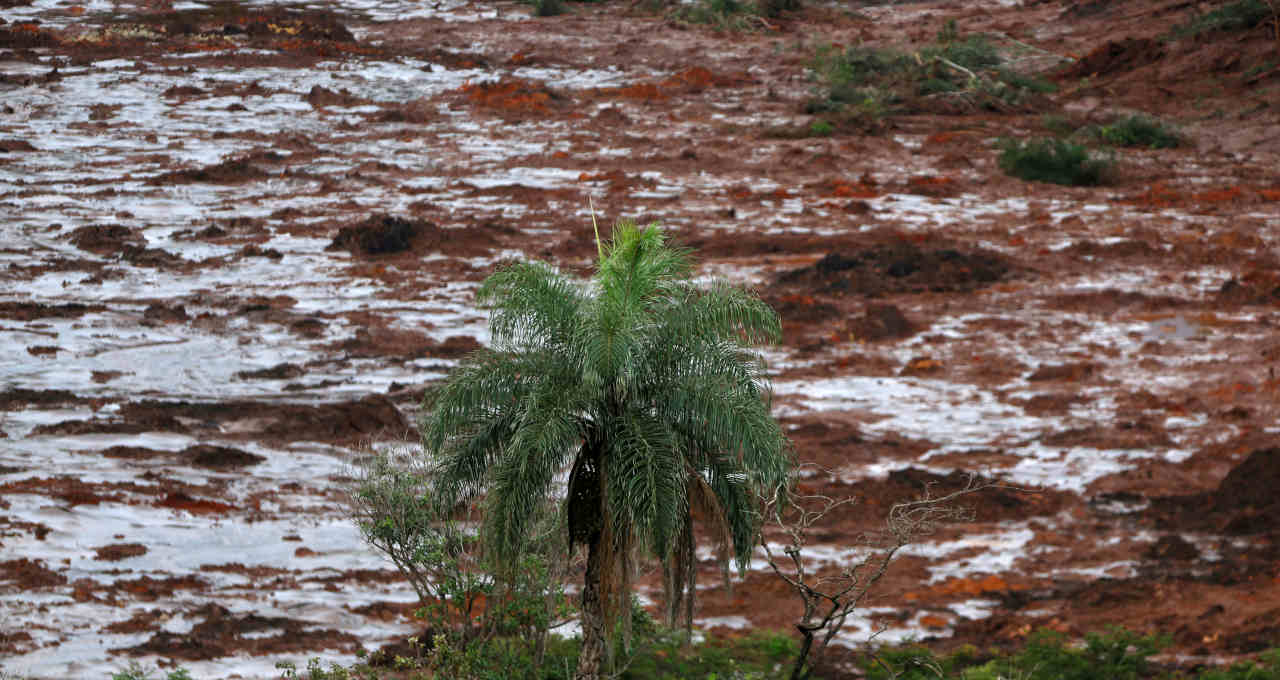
(1236, 16)
(1138, 131)
(1052, 160)
(548, 8)
(1268, 669)
(725, 15)
(137, 671)
(821, 128)
(1059, 125)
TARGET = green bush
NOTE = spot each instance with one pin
(1139, 131)
(1052, 160)
(1269, 669)
(1237, 16)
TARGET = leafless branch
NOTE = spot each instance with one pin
(830, 600)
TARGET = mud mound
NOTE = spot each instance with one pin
(16, 397)
(989, 505)
(1245, 502)
(387, 234)
(219, 457)
(230, 171)
(900, 267)
(222, 633)
(29, 574)
(26, 36)
(105, 239)
(27, 311)
(278, 372)
(1116, 57)
(881, 322)
(14, 145)
(515, 97)
(340, 422)
(119, 551)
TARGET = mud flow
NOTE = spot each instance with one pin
(240, 239)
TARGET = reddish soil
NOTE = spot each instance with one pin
(1140, 316)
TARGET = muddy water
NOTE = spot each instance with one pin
(238, 240)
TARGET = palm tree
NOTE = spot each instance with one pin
(641, 386)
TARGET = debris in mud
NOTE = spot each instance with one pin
(898, 267)
(119, 551)
(387, 234)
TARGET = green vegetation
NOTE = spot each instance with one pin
(640, 385)
(1236, 16)
(1138, 131)
(548, 8)
(136, 671)
(1053, 160)
(860, 84)
(661, 654)
(724, 15)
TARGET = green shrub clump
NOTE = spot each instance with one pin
(1056, 161)
(1241, 15)
(1139, 131)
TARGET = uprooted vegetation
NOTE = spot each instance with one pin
(859, 85)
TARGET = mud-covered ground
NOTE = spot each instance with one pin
(240, 238)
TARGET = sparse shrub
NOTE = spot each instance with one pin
(431, 548)
(1139, 131)
(1057, 161)
(1236, 16)
(441, 557)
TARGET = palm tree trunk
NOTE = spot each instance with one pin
(591, 657)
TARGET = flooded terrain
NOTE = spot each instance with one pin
(240, 239)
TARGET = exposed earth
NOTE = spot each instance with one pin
(240, 239)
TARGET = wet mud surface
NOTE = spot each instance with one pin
(240, 239)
